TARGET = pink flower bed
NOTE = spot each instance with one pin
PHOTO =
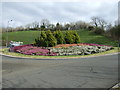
(14, 49)
(32, 50)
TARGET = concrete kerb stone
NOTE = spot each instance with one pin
(115, 87)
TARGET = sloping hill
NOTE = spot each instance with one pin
(90, 37)
(86, 36)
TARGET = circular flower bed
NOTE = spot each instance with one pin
(61, 50)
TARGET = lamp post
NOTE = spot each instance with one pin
(7, 32)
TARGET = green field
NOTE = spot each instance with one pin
(28, 37)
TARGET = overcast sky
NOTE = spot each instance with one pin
(69, 11)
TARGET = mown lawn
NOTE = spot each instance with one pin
(86, 36)
(27, 37)
(90, 37)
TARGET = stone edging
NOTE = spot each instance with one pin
(115, 87)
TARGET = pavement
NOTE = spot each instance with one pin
(94, 72)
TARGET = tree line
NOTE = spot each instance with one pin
(97, 25)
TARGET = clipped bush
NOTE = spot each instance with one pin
(51, 40)
(68, 37)
(41, 40)
(76, 38)
(59, 37)
(72, 37)
(37, 42)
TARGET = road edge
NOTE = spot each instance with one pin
(11, 56)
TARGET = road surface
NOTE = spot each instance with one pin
(95, 72)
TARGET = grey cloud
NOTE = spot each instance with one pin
(27, 12)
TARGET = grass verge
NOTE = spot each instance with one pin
(6, 52)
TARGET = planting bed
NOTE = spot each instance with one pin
(61, 50)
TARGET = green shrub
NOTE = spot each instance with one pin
(69, 37)
(41, 40)
(3, 41)
(76, 38)
(51, 40)
(114, 32)
(59, 37)
(99, 31)
(90, 28)
(47, 39)
(37, 42)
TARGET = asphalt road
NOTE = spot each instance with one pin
(95, 72)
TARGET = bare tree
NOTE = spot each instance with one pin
(51, 26)
(102, 23)
(59, 26)
(95, 21)
(81, 25)
(28, 26)
(45, 22)
(35, 24)
(67, 26)
(99, 22)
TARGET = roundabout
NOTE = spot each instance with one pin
(5, 52)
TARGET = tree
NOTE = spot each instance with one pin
(95, 21)
(76, 37)
(109, 26)
(43, 38)
(81, 25)
(99, 31)
(42, 27)
(99, 22)
(72, 26)
(114, 32)
(102, 23)
(59, 37)
(59, 26)
(51, 40)
(35, 24)
(28, 26)
(45, 22)
(46, 39)
(52, 27)
(68, 38)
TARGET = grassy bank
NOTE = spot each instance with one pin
(86, 36)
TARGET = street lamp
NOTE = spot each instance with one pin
(7, 32)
